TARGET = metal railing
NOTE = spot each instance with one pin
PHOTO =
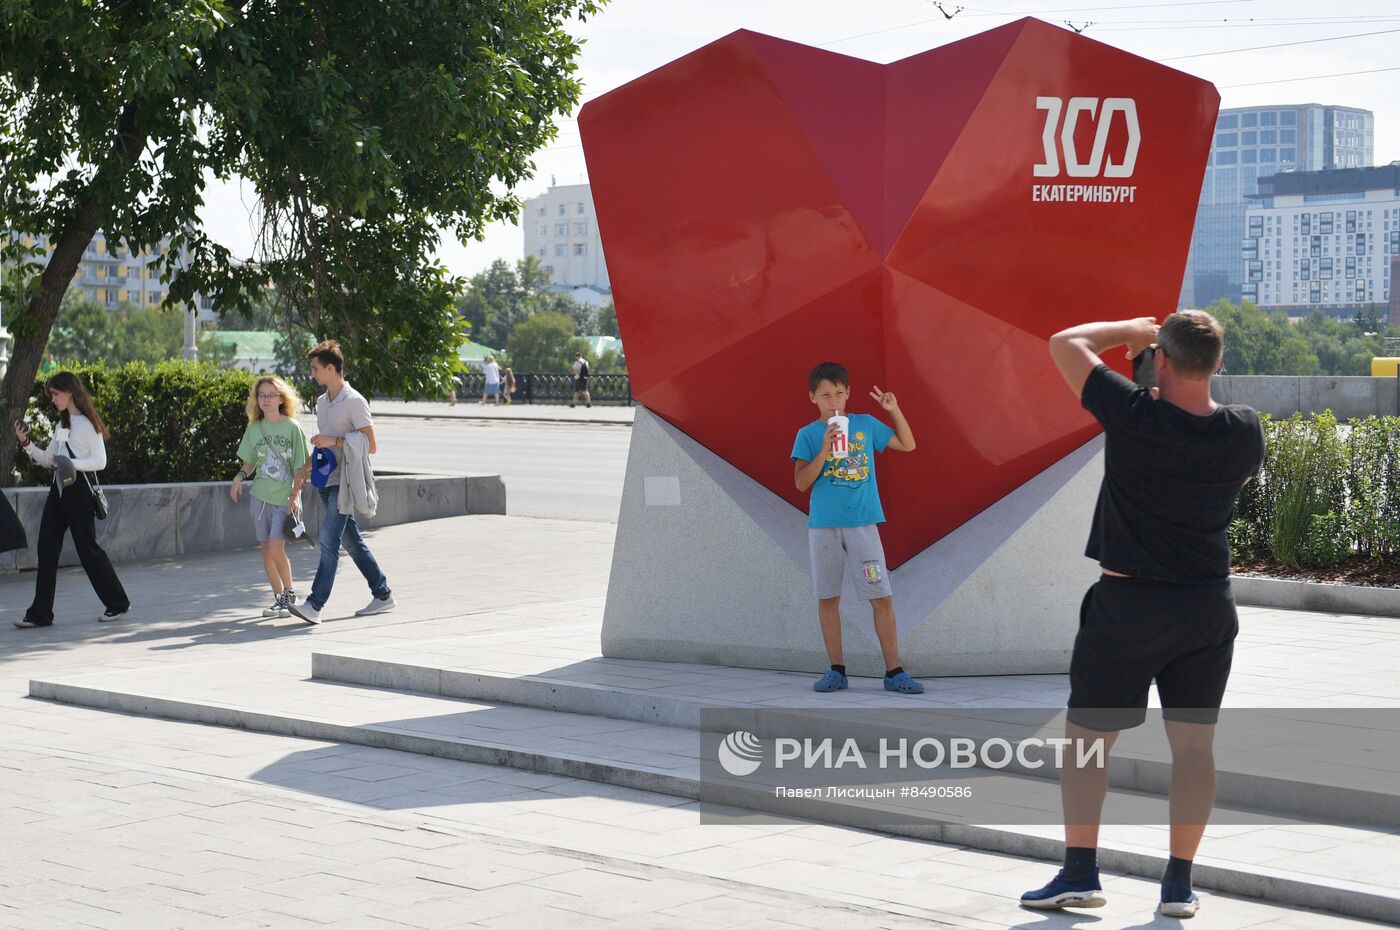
(551, 387)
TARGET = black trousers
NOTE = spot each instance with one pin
(73, 512)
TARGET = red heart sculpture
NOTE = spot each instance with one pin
(765, 206)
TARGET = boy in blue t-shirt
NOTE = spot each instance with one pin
(842, 525)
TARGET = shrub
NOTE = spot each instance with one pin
(1326, 491)
(173, 421)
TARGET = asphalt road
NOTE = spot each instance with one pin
(550, 469)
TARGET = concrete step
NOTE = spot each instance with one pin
(654, 693)
(274, 697)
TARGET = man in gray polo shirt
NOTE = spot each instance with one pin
(339, 412)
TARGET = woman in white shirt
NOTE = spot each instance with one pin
(80, 438)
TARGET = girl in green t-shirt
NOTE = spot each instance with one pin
(274, 447)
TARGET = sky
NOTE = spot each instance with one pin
(1223, 41)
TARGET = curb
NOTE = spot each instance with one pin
(481, 419)
(1315, 596)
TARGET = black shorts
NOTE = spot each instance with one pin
(580, 385)
(1133, 632)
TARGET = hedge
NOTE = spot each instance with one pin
(1327, 492)
(174, 421)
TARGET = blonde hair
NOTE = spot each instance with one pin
(291, 403)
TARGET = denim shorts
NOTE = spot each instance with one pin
(269, 520)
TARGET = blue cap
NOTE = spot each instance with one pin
(322, 464)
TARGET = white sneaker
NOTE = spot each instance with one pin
(108, 616)
(306, 612)
(377, 606)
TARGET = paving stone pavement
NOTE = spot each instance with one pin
(120, 821)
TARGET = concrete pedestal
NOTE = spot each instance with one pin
(712, 568)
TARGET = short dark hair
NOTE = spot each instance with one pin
(328, 354)
(1194, 341)
(834, 372)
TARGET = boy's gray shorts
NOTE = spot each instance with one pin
(835, 549)
(268, 519)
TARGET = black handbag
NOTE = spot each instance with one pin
(99, 496)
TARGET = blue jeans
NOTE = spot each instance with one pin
(340, 529)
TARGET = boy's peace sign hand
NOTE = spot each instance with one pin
(885, 399)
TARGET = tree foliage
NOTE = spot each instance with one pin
(1260, 343)
(544, 342)
(88, 333)
(365, 127)
(502, 297)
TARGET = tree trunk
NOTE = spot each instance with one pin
(63, 264)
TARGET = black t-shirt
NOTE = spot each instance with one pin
(1170, 481)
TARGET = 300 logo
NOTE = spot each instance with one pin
(1065, 117)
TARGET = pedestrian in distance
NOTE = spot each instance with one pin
(274, 450)
(508, 379)
(834, 457)
(1161, 611)
(340, 412)
(78, 451)
(580, 370)
(492, 388)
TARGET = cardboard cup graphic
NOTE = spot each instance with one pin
(842, 446)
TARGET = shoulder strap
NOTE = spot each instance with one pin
(89, 477)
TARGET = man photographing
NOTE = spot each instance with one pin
(1162, 611)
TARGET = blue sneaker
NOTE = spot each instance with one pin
(1061, 892)
(831, 681)
(903, 684)
(1187, 908)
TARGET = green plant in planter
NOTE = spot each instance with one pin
(1327, 541)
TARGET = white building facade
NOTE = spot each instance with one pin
(1323, 240)
(561, 230)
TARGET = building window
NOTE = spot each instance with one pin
(1226, 139)
(1360, 243)
(1248, 156)
(1305, 270)
(580, 229)
(1249, 120)
(1268, 119)
(1314, 292)
(580, 248)
(1226, 158)
(1256, 271)
(1288, 118)
(1315, 246)
(1229, 121)
(1249, 138)
(542, 252)
(561, 229)
(1351, 221)
(559, 251)
(579, 210)
(1360, 291)
(544, 211)
(1324, 221)
(1288, 156)
(561, 209)
(1324, 269)
(1351, 267)
(1268, 137)
(1268, 156)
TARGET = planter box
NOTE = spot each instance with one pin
(154, 521)
(1316, 596)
